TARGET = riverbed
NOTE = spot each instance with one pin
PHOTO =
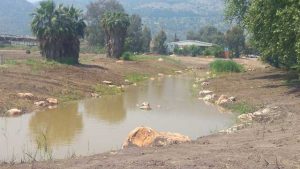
(95, 126)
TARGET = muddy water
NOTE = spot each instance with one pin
(99, 125)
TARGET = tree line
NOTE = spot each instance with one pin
(273, 27)
(59, 29)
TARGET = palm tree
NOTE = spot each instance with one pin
(58, 29)
(115, 26)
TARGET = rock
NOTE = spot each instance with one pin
(179, 72)
(26, 95)
(208, 98)
(127, 81)
(147, 137)
(160, 59)
(205, 92)
(120, 61)
(145, 106)
(52, 107)
(195, 85)
(160, 74)
(244, 118)
(40, 103)
(95, 95)
(52, 101)
(232, 99)
(107, 82)
(152, 78)
(14, 112)
(204, 83)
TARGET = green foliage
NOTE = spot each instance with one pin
(159, 44)
(58, 30)
(107, 90)
(146, 39)
(207, 34)
(136, 77)
(134, 41)
(216, 51)
(274, 26)
(241, 108)
(189, 51)
(127, 56)
(225, 66)
(235, 40)
(95, 12)
(115, 26)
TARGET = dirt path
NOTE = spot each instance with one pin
(274, 144)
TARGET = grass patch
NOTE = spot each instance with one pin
(107, 90)
(92, 49)
(37, 65)
(69, 95)
(241, 108)
(136, 77)
(131, 57)
(225, 66)
(11, 62)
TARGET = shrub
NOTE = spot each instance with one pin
(127, 56)
(225, 66)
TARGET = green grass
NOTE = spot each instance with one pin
(19, 47)
(225, 66)
(69, 95)
(11, 62)
(37, 65)
(107, 90)
(241, 108)
(136, 77)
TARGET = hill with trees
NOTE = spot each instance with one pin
(174, 16)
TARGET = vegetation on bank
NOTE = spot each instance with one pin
(241, 108)
(225, 66)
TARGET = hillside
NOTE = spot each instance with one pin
(175, 16)
(15, 16)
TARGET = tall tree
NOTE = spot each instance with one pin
(207, 34)
(235, 40)
(115, 26)
(134, 39)
(274, 26)
(146, 39)
(94, 14)
(159, 43)
(58, 30)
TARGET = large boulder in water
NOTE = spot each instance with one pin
(148, 137)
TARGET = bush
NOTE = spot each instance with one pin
(225, 66)
(188, 51)
(127, 56)
(216, 51)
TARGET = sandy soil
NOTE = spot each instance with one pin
(274, 144)
(66, 82)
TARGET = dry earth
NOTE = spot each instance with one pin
(274, 144)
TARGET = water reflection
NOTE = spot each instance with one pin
(109, 108)
(59, 126)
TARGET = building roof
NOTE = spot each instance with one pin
(191, 43)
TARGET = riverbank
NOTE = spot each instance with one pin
(94, 77)
(271, 144)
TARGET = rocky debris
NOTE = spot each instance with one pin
(52, 101)
(145, 106)
(120, 61)
(148, 137)
(160, 59)
(29, 96)
(204, 83)
(127, 81)
(209, 97)
(95, 95)
(52, 107)
(223, 99)
(235, 128)
(152, 78)
(244, 118)
(205, 92)
(199, 80)
(179, 72)
(160, 74)
(40, 103)
(14, 112)
(107, 82)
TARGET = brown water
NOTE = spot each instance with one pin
(99, 125)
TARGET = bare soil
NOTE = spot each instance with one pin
(270, 145)
(66, 82)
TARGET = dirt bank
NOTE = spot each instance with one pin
(272, 145)
(29, 73)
